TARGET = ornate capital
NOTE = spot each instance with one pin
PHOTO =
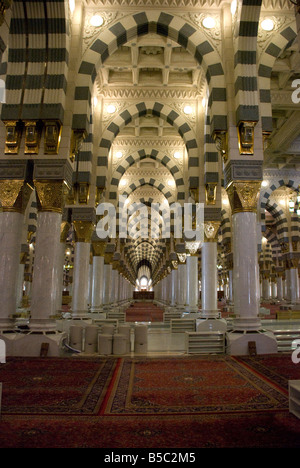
(98, 248)
(83, 230)
(243, 195)
(50, 195)
(14, 195)
(211, 229)
(64, 229)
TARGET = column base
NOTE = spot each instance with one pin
(212, 314)
(42, 325)
(29, 343)
(247, 323)
(237, 342)
(80, 314)
(211, 324)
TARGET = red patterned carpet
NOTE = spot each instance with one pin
(187, 402)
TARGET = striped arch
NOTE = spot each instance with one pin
(153, 183)
(274, 243)
(225, 228)
(138, 110)
(211, 156)
(280, 41)
(136, 156)
(246, 87)
(265, 195)
(280, 219)
(38, 54)
(165, 24)
(83, 174)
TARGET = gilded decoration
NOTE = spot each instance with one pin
(15, 195)
(243, 196)
(211, 229)
(64, 229)
(83, 230)
(99, 248)
(50, 195)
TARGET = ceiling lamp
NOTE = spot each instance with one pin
(96, 21)
(177, 155)
(119, 154)
(111, 108)
(267, 24)
(209, 22)
(188, 110)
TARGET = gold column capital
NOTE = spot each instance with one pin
(50, 195)
(64, 229)
(211, 229)
(243, 195)
(98, 248)
(83, 230)
(14, 195)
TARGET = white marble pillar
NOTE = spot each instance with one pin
(81, 270)
(97, 283)
(209, 280)
(181, 296)
(273, 289)
(230, 286)
(266, 288)
(288, 293)
(245, 271)
(19, 285)
(107, 284)
(47, 263)
(174, 274)
(279, 287)
(192, 283)
(11, 224)
(294, 286)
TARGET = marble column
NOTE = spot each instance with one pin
(174, 286)
(209, 278)
(47, 261)
(97, 276)
(243, 198)
(192, 283)
(279, 286)
(84, 225)
(294, 281)
(181, 296)
(14, 197)
(107, 282)
(266, 287)
(65, 226)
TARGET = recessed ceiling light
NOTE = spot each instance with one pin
(119, 154)
(111, 109)
(96, 20)
(264, 183)
(123, 182)
(267, 24)
(188, 110)
(209, 22)
(177, 155)
(170, 182)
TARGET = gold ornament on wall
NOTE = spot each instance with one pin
(246, 137)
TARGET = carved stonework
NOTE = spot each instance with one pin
(98, 248)
(211, 229)
(50, 195)
(83, 230)
(243, 196)
(14, 195)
